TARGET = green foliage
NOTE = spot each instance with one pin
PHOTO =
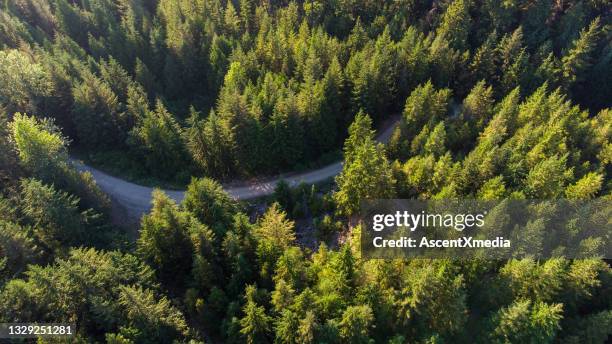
(286, 328)
(442, 310)
(585, 188)
(478, 104)
(284, 78)
(366, 172)
(436, 141)
(56, 219)
(327, 227)
(17, 250)
(498, 99)
(355, 324)
(283, 195)
(210, 204)
(360, 131)
(97, 290)
(158, 138)
(42, 152)
(528, 322)
(578, 58)
(286, 133)
(275, 233)
(155, 318)
(424, 105)
(255, 325)
(275, 227)
(209, 143)
(547, 178)
(455, 24)
(97, 113)
(593, 329)
(9, 167)
(372, 75)
(493, 189)
(137, 104)
(164, 239)
(41, 148)
(24, 83)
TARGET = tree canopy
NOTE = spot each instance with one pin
(492, 100)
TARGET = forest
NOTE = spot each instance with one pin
(494, 100)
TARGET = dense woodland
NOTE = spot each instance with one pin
(496, 99)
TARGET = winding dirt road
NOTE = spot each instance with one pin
(136, 199)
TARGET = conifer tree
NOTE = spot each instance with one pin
(366, 172)
(455, 24)
(97, 113)
(256, 324)
(164, 240)
(24, 83)
(210, 204)
(159, 138)
(208, 142)
(578, 58)
(286, 132)
(527, 321)
(355, 324)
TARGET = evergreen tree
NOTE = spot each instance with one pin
(366, 173)
(41, 149)
(86, 285)
(137, 105)
(286, 328)
(97, 113)
(548, 178)
(425, 104)
(164, 240)
(244, 130)
(307, 328)
(275, 233)
(455, 24)
(286, 133)
(56, 217)
(210, 204)
(256, 324)
(483, 62)
(209, 143)
(156, 318)
(18, 250)
(360, 131)
(42, 152)
(514, 61)
(144, 76)
(578, 58)
(478, 105)
(435, 143)
(527, 322)
(372, 75)
(158, 137)
(116, 77)
(24, 83)
(585, 188)
(355, 324)
(239, 249)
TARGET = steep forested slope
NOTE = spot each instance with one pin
(222, 88)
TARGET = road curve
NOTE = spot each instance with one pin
(136, 199)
